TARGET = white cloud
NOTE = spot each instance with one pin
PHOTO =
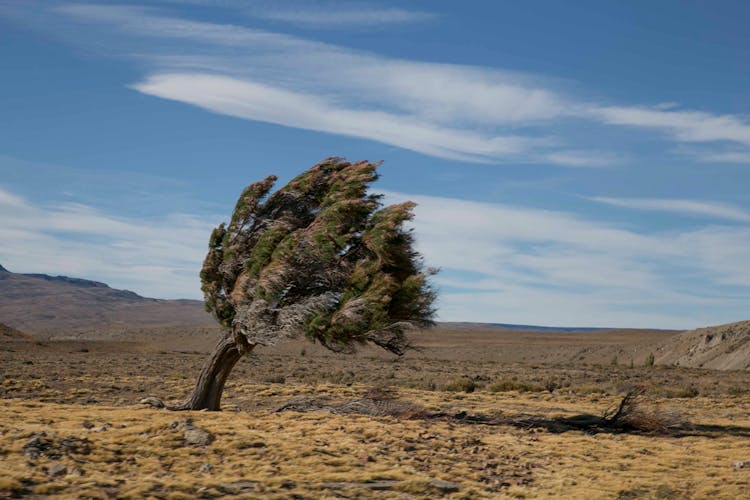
(444, 110)
(501, 263)
(685, 207)
(478, 101)
(731, 156)
(582, 158)
(9, 200)
(341, 16)
(513, 264)
(421, 101)
(254, 101)
(684, 126)
(157, 257)
(319, 14)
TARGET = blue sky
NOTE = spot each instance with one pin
(575, 163)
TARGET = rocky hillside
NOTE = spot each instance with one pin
(724, 347)
(8, 333)
(39, 303)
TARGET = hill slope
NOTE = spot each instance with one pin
(723, 347)
(40, 303)
(8, 333)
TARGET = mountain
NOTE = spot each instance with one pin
(40, 303)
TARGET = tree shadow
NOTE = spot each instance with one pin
(629, 417)
(595, 425)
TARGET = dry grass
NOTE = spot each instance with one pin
(347, 439)
(133, 452)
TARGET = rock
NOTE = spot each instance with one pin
(36, 445)
(75, 445)
(152, 401)
(195, 436)
(742, 464)
(373, 485)
(57, 470)
(445, 486)
(237, 488)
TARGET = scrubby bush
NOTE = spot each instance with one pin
(514, 385)
(650, 360)
(463, 384)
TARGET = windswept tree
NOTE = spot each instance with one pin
(319, 257)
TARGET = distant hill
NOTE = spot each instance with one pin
(65, 307)
(40, 303)
(8, 333)
(518, 328)
(536, 328)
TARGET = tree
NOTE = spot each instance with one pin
(320, 257)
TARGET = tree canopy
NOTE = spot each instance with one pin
(320, 257)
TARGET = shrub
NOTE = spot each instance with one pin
(681, 392)
(738, 391)
(650, 360)
(552, 385)
(513, 385)
(464, 384)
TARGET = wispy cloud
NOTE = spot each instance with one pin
(511, 262)
(342, 15)
(479, 103)
(328, 14)
(579, 158)
(684, 207)
(494, 115)
(157, 256)
(727, 156)
(259, 102)
(684, 126)
(500, 262)
(9, 200)
(444, 110)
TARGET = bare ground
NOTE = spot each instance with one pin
(510, 436)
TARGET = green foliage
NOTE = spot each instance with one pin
(320, 257)
(650, 360)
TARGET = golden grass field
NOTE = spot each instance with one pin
(99, 442)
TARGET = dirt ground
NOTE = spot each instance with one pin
(466, 416)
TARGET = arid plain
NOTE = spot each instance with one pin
(474, 412)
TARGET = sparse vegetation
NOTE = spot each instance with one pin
(678, 392)
(514, 385)
(463, 384)
(738, 391)
(351, 423)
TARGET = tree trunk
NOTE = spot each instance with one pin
(210, 384)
